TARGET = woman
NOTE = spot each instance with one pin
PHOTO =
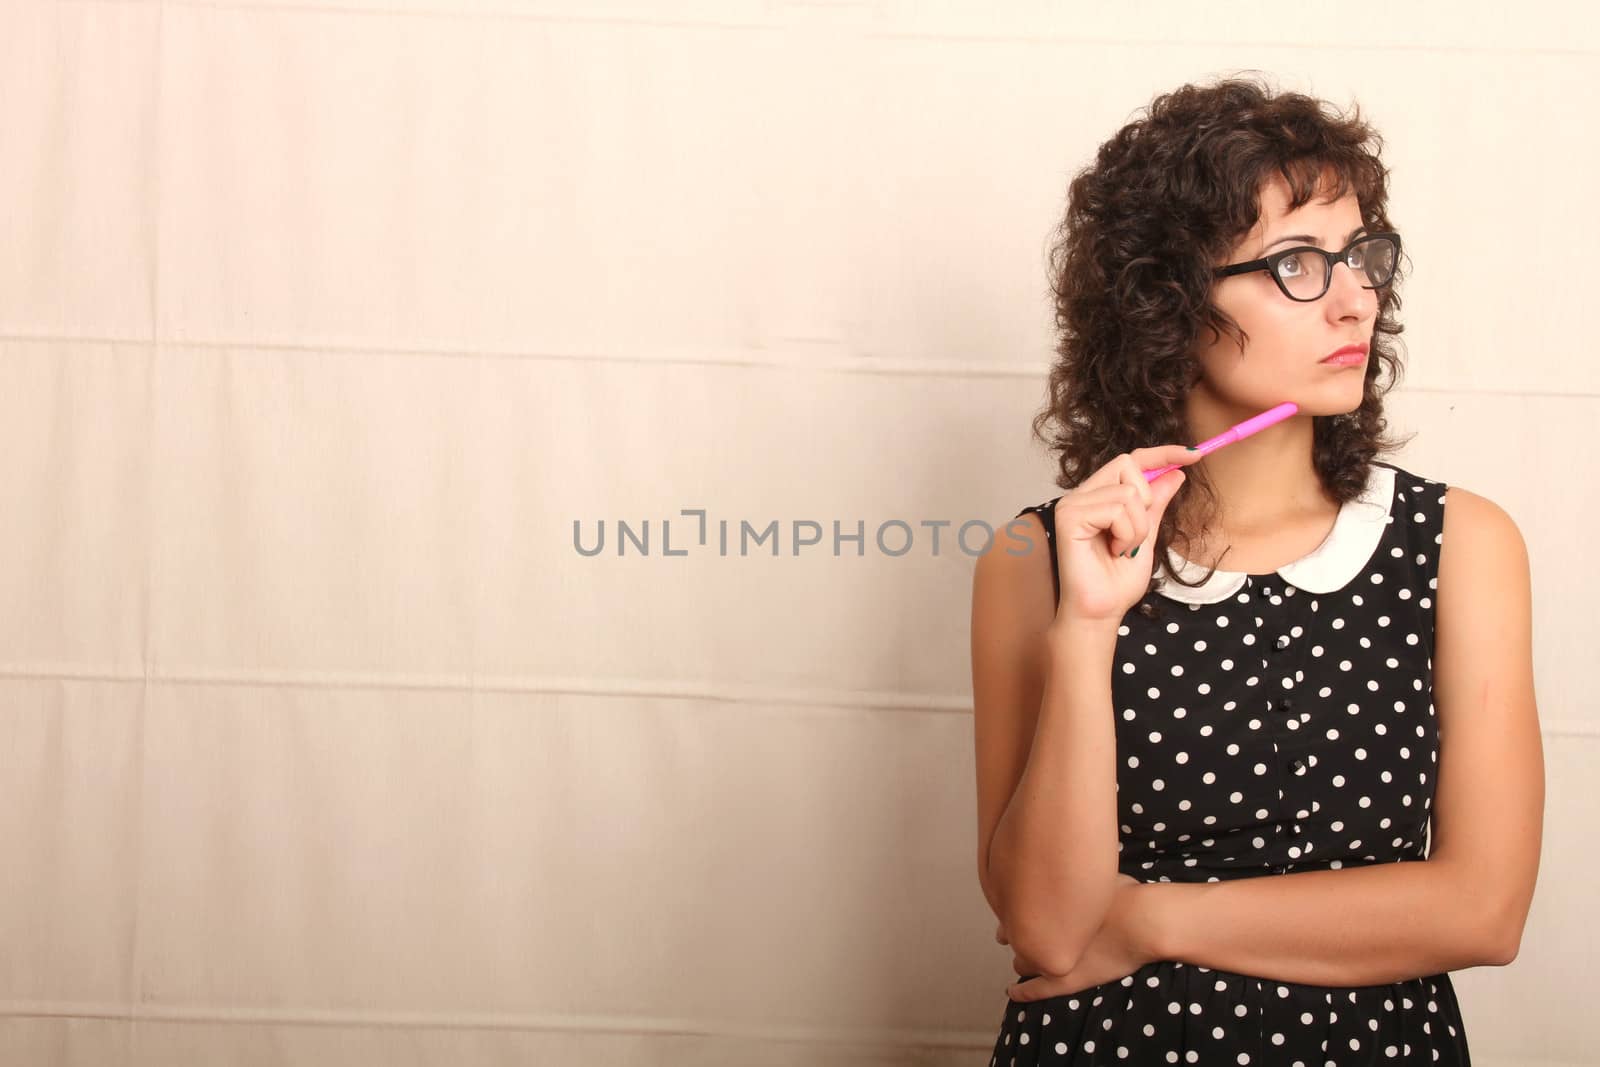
(1215, 713)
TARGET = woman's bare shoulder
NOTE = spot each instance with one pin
(1014, 573)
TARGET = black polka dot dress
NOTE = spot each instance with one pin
(1266, 724)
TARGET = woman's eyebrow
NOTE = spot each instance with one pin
(1310, 239)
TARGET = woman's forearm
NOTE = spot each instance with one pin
(1053, 857)
(1355, 926)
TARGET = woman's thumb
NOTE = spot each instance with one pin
(1162, 490)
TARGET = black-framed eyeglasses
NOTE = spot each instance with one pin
(1303, 272)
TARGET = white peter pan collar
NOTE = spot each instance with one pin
(1349, 546)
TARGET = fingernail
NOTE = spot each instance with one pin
(1135, 552)
(1192, 448)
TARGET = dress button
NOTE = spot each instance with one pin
(1299, 765)
(1286, 704)
(1280, 870)
(1283, 641)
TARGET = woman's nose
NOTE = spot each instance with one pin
(1347, 295)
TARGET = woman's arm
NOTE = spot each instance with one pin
(1045, 741)
(1388, 922)
(1466, 904)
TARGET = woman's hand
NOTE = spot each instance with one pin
(1122, 945)
(1102, 523)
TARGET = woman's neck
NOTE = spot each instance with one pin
(1271, 505)
(1266, 479)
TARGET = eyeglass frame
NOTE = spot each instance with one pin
(1270, 264)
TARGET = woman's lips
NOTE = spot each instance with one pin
(1348, 356)
(1348, 359)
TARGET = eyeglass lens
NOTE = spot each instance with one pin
(1305, 274)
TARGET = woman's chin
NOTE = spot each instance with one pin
(1330, 401)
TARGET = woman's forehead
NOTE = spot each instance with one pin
(1320, 217)
(1276, 194)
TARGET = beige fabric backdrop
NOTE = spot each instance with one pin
(321, 323)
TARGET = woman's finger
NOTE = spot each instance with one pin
(1100, 512)
(1143, 459)
(1041, 988)
(1139, 527)
(1117, 511)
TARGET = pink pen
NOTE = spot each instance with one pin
(1233, 433)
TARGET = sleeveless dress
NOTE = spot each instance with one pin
(1266, 724)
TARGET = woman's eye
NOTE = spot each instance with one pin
(1291, 267)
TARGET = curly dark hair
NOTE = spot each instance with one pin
(1165, 199)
